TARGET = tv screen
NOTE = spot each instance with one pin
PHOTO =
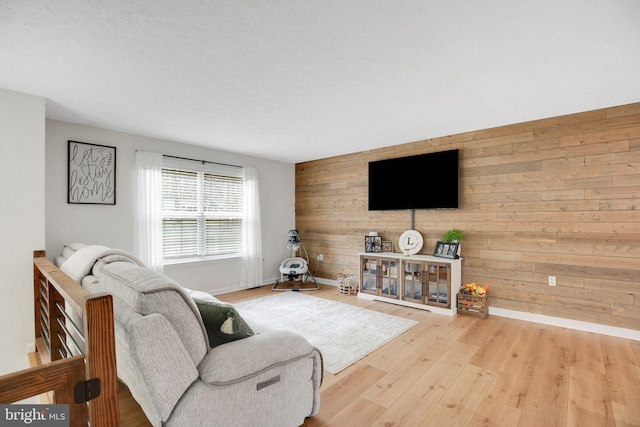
(424, 181)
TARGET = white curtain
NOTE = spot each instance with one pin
(148, 225)
(251, 273)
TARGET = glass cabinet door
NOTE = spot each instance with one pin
(419, 281)
(438, 285)
(413, 281)
(369, 275)
(389, 277)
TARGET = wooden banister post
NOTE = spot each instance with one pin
(100, 353)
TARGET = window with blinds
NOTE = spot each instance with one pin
(201, 213)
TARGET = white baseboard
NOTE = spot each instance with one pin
(579, 325)
(327, 281)
(227, 289)
(31, 347)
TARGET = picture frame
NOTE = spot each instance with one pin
(446, 249)
(372, 244)
(387, 246)
(91, 174)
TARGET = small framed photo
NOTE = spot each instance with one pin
(387, 246)
(372, 244)
(446, 250)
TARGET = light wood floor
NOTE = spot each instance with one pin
(464, 371)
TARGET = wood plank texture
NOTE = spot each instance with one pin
(559, 197)
(100, 353)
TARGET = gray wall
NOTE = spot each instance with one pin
(113, 225)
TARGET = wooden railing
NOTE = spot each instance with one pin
(60, 377)
(74, 336)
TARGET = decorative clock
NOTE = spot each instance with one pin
(410, 242)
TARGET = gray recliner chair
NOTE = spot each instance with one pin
(163, 355)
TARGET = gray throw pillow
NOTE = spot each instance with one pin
(222, 322)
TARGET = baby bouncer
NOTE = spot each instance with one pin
(294, 269)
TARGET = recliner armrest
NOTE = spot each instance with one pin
(236, 361)
(165, 365)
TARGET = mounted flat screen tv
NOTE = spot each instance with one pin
(424, 181)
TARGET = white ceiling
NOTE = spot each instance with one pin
(298, 80)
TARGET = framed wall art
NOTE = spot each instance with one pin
(91, 174)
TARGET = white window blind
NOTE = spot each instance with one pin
(202, 210)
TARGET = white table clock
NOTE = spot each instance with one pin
(410, 242)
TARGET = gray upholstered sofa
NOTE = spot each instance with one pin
(163, 354)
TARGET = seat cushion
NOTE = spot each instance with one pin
(238, 360)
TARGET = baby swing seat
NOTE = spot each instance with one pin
(294, 268)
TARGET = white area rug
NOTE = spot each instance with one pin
(343, 333)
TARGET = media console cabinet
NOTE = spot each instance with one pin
(420, 281)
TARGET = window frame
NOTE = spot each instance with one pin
(200, 214)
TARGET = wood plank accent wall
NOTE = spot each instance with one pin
(558, 196)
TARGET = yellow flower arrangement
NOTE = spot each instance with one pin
(474, 289)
